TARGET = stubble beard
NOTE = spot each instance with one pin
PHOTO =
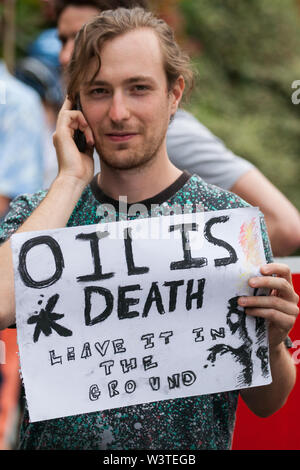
(131, 159)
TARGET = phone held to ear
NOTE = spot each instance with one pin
(79, 137)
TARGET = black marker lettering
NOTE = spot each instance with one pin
(58, 259)
(148, 364)
(216, 241)
(124, 303)
(132, 269)
(102, 348)
(94, 239)
(153, 296)
(88, 291)
(199, 337)
(174, 381)
(55, 359)
(130, 386)
(118, 346)
(190, 296)
(71, 354)
(188, 378)
(173, 293)
(128, 365)
(94, 392)
(220, 333)
(86, 351)
(166, 335)
(188, 262)
(107, 366)
(154, 383)
(148, 337)
(112, 388)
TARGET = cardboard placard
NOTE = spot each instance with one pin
(131, 312)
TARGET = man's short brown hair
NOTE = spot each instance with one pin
(101, 5)
(112, 23)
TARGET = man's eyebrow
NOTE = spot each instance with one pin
(95, 82)
(129, 81)
(139, 78)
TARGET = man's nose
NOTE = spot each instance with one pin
(66, 53)
(119, 110)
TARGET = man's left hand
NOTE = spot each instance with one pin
(280, 307)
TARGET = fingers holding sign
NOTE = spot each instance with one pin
(279, 307)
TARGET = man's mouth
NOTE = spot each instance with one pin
(120, 136)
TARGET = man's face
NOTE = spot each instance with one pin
(69, 23)
(128, 106)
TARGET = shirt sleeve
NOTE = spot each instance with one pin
(19, 210)
(21, 152)
(266, 240)
(191, 146)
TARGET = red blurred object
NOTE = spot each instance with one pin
(9, 390)
(281, 430)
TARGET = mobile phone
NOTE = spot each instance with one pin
(79, 137)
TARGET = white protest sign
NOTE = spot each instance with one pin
(105, 322)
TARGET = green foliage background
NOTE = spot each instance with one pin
(29, 22)
(249, 57)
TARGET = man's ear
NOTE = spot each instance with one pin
(176, 94)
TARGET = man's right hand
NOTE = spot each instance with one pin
(71, 162)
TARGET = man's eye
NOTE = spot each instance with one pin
(98, 91)
(140, 88)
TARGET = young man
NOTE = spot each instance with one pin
(193, 147)
(127, 104)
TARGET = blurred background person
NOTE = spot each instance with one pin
(40, 69)
(21, 137)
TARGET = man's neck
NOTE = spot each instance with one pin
(138, 184)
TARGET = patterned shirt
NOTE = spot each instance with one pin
(199, 422)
